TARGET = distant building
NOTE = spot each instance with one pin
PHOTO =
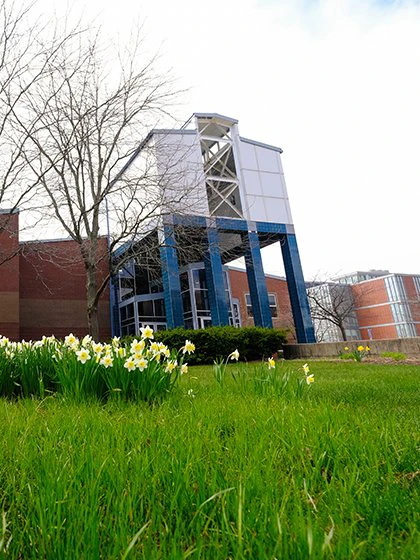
(388, 306)
(359, 276)
(385, 305)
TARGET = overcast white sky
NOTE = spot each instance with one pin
(335, 83)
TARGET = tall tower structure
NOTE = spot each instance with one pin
(237, 204)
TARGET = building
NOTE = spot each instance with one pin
(373, 304)
(359, 276)
(175, 274)
(388, 306)
(42, 287)
(240, 205)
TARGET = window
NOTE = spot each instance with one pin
(271, 301)
(406, 330)
(273, 304)
(249, 311)
(395, 288)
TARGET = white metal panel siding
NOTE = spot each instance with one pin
(180, 165)
(263, 186)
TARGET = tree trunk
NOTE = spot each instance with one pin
(92, 304)
(343, 332)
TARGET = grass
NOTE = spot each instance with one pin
(218, 471)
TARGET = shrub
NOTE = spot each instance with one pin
(397, 356)
(214, 343)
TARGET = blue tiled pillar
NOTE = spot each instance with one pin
(297, 290)
(256, 281)
(214, 277)
(171, 283)
(114, 307)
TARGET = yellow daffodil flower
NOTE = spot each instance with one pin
(137, 346)
(147, 332)
(171, 365)
(107, 361)
(234, 355)
(184, 369)
(141, 364)
(271, 363)
(189, 347)
(360, 348)
(83, 355)
(71, 340)
(129, 364)
(367, 349)
(305, 368)
(310, 379)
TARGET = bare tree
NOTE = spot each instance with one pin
(97, 177)
(331, 303)
(27, 50)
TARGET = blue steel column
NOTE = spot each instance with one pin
(214, 276)
(114, 307)
(170, 278)
(256, 282)
(297, 290)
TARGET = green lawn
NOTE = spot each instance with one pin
(226, 472)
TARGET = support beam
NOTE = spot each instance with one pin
(297, 290)
(170, 278)
(215, 283)
(256, 281)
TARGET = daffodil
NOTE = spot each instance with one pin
(130, 364)
(121, 352)
(360, 348)
(107, 361)
(367, 349)
(305, 368)
(271, 363)
(184, 369)
(346, 348)
(154, 347)
(116, 341)
(189, 347)
(137, 346)
(83, 355)
(234, 355)
(170, 366)
(86, 340)
(97, 347)
(310, 379)
(71, 340)
(141, 363)
(147, 332)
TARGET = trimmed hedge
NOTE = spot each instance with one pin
(213, 343)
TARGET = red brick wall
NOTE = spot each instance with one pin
(53, 292)
(239, 287)
(373, 293)
(388, 331)
(9, 275)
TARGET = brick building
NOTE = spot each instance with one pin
(278, 295)
(386, 305)
(42, 287)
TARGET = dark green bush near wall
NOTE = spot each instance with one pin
(253, 343)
